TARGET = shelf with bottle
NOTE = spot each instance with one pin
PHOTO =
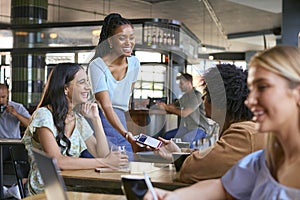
(161, 35)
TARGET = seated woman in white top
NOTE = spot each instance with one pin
(59, 128)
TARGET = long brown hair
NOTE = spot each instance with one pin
(54, 97)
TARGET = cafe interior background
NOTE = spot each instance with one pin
(172, 36)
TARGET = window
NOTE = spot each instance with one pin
(151, 81)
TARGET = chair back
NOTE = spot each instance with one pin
(19, 156)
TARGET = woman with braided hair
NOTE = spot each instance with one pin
(113, 72)
(225, 105)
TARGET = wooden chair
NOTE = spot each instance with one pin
(21, 165)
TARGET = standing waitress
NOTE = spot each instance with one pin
(113, 72)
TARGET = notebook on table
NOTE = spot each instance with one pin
(55, 188)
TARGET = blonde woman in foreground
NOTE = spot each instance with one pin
(274, 99)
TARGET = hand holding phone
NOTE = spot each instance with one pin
(148, 140)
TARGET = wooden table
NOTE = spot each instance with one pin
(5, 142)
(81, 196)
(91, 181)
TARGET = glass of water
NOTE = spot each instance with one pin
(122, 149)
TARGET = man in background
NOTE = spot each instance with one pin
(11, 115)
(194, 125)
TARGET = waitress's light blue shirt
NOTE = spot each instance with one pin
(103, 80)
(250, 178)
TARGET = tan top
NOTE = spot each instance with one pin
(236, 142)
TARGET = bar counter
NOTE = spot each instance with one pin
(149, 121)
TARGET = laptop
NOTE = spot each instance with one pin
(53, 182)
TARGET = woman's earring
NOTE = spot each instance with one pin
(110, 46)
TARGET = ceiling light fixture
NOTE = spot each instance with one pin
(216, 20)
(203, 29)
(156, 1)
(96, 32)
(23, 33)
(53, 35)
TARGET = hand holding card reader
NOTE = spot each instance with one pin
(148, 140)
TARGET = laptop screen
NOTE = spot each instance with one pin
(53, 182)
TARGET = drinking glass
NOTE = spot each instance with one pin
(122, 149)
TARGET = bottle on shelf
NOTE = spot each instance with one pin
(159, 39)
(149, 38)
(169, 39)
(145, 34)
(154, 40)
(173, 39)
(165, 38)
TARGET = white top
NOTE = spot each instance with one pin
(251, 179)
(42, 117)
(119, 91)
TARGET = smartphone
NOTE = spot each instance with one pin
(148, 140)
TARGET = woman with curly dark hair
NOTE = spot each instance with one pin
(224, 95)
(225, 105)
(59, 128)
